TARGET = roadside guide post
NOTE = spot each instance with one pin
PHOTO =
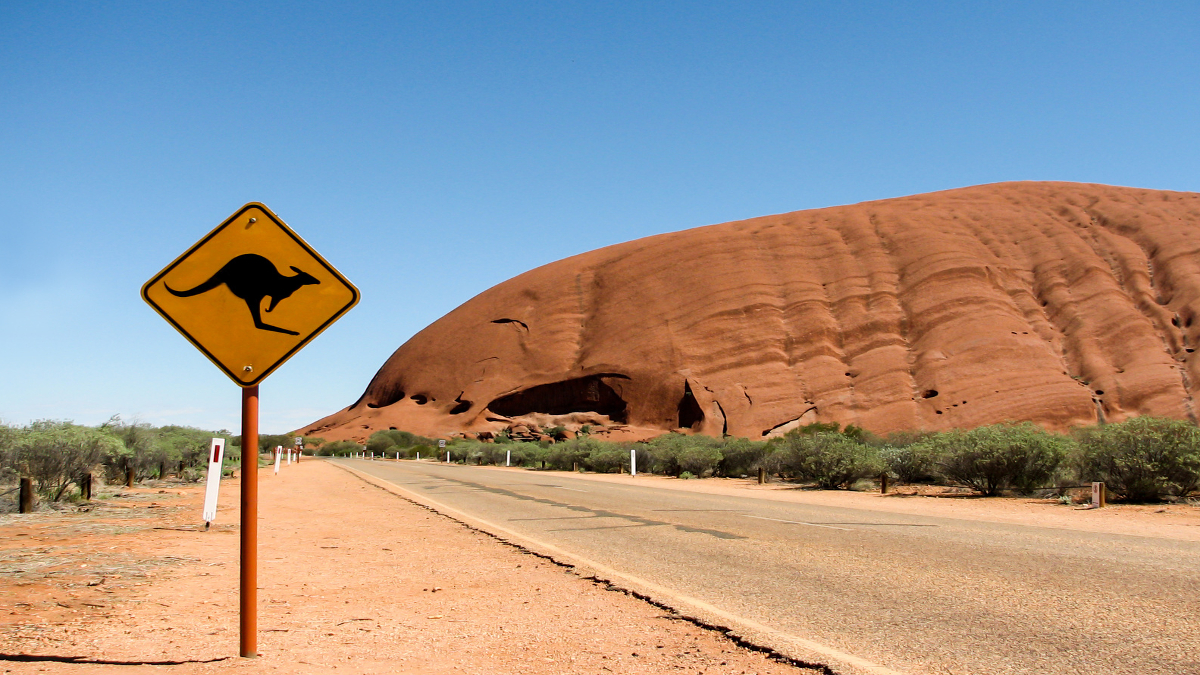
(216, 459)
(507, 457)
(213, 295)
(632, 463)
(26, 495)
(278, 457)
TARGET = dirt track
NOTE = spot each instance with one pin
(353, 579)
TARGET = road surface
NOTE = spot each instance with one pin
(912, 594)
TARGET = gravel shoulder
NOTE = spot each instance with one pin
(352, 579)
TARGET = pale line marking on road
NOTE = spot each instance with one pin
(797, 522)
(646, 586)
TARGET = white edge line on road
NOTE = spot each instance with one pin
(733, 620)
(797, 522)
(566, 488)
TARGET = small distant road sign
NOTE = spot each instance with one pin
(441, 443)
(299, 441)
(250, 294)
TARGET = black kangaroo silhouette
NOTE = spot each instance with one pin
(252, 277)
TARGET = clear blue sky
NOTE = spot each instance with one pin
(431, 150)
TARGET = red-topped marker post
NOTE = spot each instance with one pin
(249, 295)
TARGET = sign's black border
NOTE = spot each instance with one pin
(303, 244)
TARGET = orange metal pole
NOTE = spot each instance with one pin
(249, 555)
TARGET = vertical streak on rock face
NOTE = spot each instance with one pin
(1052, 302)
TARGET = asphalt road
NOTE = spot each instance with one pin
(914, 594)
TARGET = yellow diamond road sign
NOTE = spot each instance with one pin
(250, 294)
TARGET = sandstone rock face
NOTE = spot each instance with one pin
(1050, 302)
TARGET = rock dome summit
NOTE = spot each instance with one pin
(1059, 303)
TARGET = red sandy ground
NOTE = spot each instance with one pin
(352, 580)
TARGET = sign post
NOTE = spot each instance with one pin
(227, 296)
(248, 557)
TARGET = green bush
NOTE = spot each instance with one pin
(522, 453)
(563, 456)
(339, 449)
(909, 463)
(674, 453)
(607, 458)
(831, 460)
(57, 454)
(989, 459)
(741, 456)
(380, 441)
(462, 450)
(1143, 459)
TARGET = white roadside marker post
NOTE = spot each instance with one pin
(216, 458)
(507, 457)
(278, 456)
(632, 463)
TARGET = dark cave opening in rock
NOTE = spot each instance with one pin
(690, 414)
(462, 407)
(584, 394)
(386, 398)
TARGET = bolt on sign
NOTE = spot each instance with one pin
(250, 294)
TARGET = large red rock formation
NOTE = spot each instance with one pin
(1050, 302)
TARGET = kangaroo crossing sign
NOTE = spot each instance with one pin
(250, 294)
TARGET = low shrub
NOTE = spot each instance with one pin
(608, 458)
(381, 441)
(339, 449)
(1143, 459)
(992, 458)
(674, 453)
(909, 463)
(463, 450)
(741, 456)
(523, 453)
(831, 460)
(564, 456)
